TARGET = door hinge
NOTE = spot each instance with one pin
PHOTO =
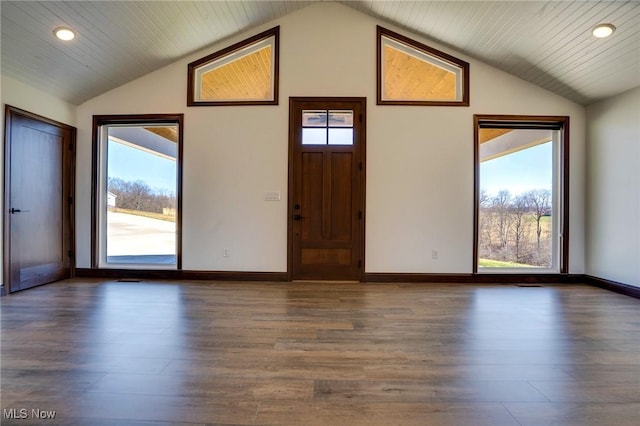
(360, 166)
(71, 253)
(70, 200)
(359, 263)
(71, 146)
(360, 214)
(360, 118)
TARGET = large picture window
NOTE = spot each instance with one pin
(521, 194)
(137, 201)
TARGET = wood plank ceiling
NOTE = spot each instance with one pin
(118, 41)
(548, 43)
(409, 78)
(485, 135)
(170, 133)
(248, 77)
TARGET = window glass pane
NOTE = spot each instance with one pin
(341, 136)
(314, 136)
(517, 226)
(340, 118)
(140, 199)
(314, 118)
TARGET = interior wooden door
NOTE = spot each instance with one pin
(326, 181)
(38, 202)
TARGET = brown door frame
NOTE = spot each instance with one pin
(560, 123)
(97, 164)
(291, 178)
(69, 167)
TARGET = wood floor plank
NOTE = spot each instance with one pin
(603, 373)
(385, 413)
(490, 391)
(269, 369)
(111, 422)
(51, 380)
(146, 407)
(464, 372)
(216, 388)
(102, 363)
(599, 391)
(575, 414)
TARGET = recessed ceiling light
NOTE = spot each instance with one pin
(64, 33)
(603, 30)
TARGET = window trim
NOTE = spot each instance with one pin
(526, 122)
(96, 164)
(228, 51)
(429, 51)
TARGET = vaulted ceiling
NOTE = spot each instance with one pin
(548, 43)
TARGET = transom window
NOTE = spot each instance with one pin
(411, 73)
(327, 127)
(243, 74)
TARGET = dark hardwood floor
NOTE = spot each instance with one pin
(146, 353)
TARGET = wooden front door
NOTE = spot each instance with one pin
(38, 200)
(326, 188)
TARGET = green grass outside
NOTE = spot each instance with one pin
(545, 221)
(490, 263)
(151, 215)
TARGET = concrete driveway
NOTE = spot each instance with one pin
(131, 235)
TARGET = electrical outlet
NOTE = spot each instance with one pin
(226, 252)
(434, 254)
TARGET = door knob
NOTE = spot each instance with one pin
(14, 211)
(297, 217)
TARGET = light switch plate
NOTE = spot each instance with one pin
(272, 196)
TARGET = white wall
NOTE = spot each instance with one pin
(23, 96)
(613, 188)
(419, 159)
(28, 98)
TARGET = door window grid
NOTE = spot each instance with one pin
(327, 127)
